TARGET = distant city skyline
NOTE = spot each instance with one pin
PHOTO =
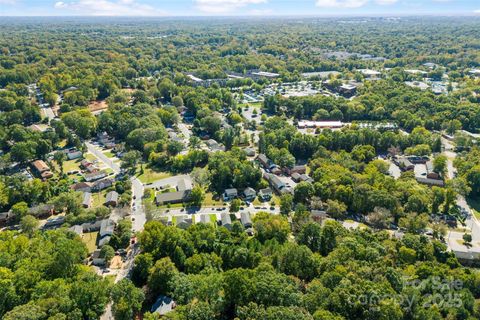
(237, 7)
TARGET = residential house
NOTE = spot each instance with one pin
(249, 194)
(85, 163)
(276, 183)
(107, 226)
(102, 184)
(318, 215)
(347, 90)
(87, 200)
(226, 220)
(418, 159)
(74, 154)
(54, 223)
(77, 229)
(97, 259)
(91, 226)
(184, 189)
(163, 305)
(42, 169)
(183, 222)
(214, 145)
(404, 164)
(184, 184)
(92, 169)
(42, 210)
(295, 177)
(276, 170)
(306, 178)
(106, 140)
(5, 216)
(430, 182)
(95, 176)
(111, 199)
(250, 152)
(205, 218)
(172, 197)
(296, 169)
(264, 161)
(82, 186)
(246, 219)
(431, 174)
(265, 194)
(230, 194)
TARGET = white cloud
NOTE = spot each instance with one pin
(341, 3)
(352, 3)
(385, 2)
(109, 8)
(223, 6)
(8, 1)
(476, 11)
(261, 12)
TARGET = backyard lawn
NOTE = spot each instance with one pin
(210, 202)
(98, 198)
(90, 240)
(149, 175)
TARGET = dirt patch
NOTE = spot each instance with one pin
(116, 263)
(97, 105)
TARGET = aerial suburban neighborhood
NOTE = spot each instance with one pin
(278, 168)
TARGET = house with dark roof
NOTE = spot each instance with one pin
(73, 154)
(172, 197)
(111, 199)
(226, 220)
(89, 177)
(163, 305)
(5, 216)
(246, 219)
(230, 194)
(183, 222)
(87, 200)
(306, 178)
(102, 184)
(276, 183)
(107, 226)
(249, 194)
(265, 194)
(264, 161)
(54, 223)
(295, 177)
(183, 193)
(82, 187)
(296, 169)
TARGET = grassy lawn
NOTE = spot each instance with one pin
(71, 165)
(475, 205)
(98, 199)
(209, 201)
(149, 175)
(109, 154)
(111, 278)
(90, 157)
(213, 218)
(275, 199)
(90, 240)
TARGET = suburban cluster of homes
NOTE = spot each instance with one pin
(272, 172)
(184, 221)
(422, 166)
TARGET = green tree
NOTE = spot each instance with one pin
(29, 224)
(127, 300)
(161, 277)
(286, 203)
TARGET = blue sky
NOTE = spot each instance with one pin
(236, 7)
